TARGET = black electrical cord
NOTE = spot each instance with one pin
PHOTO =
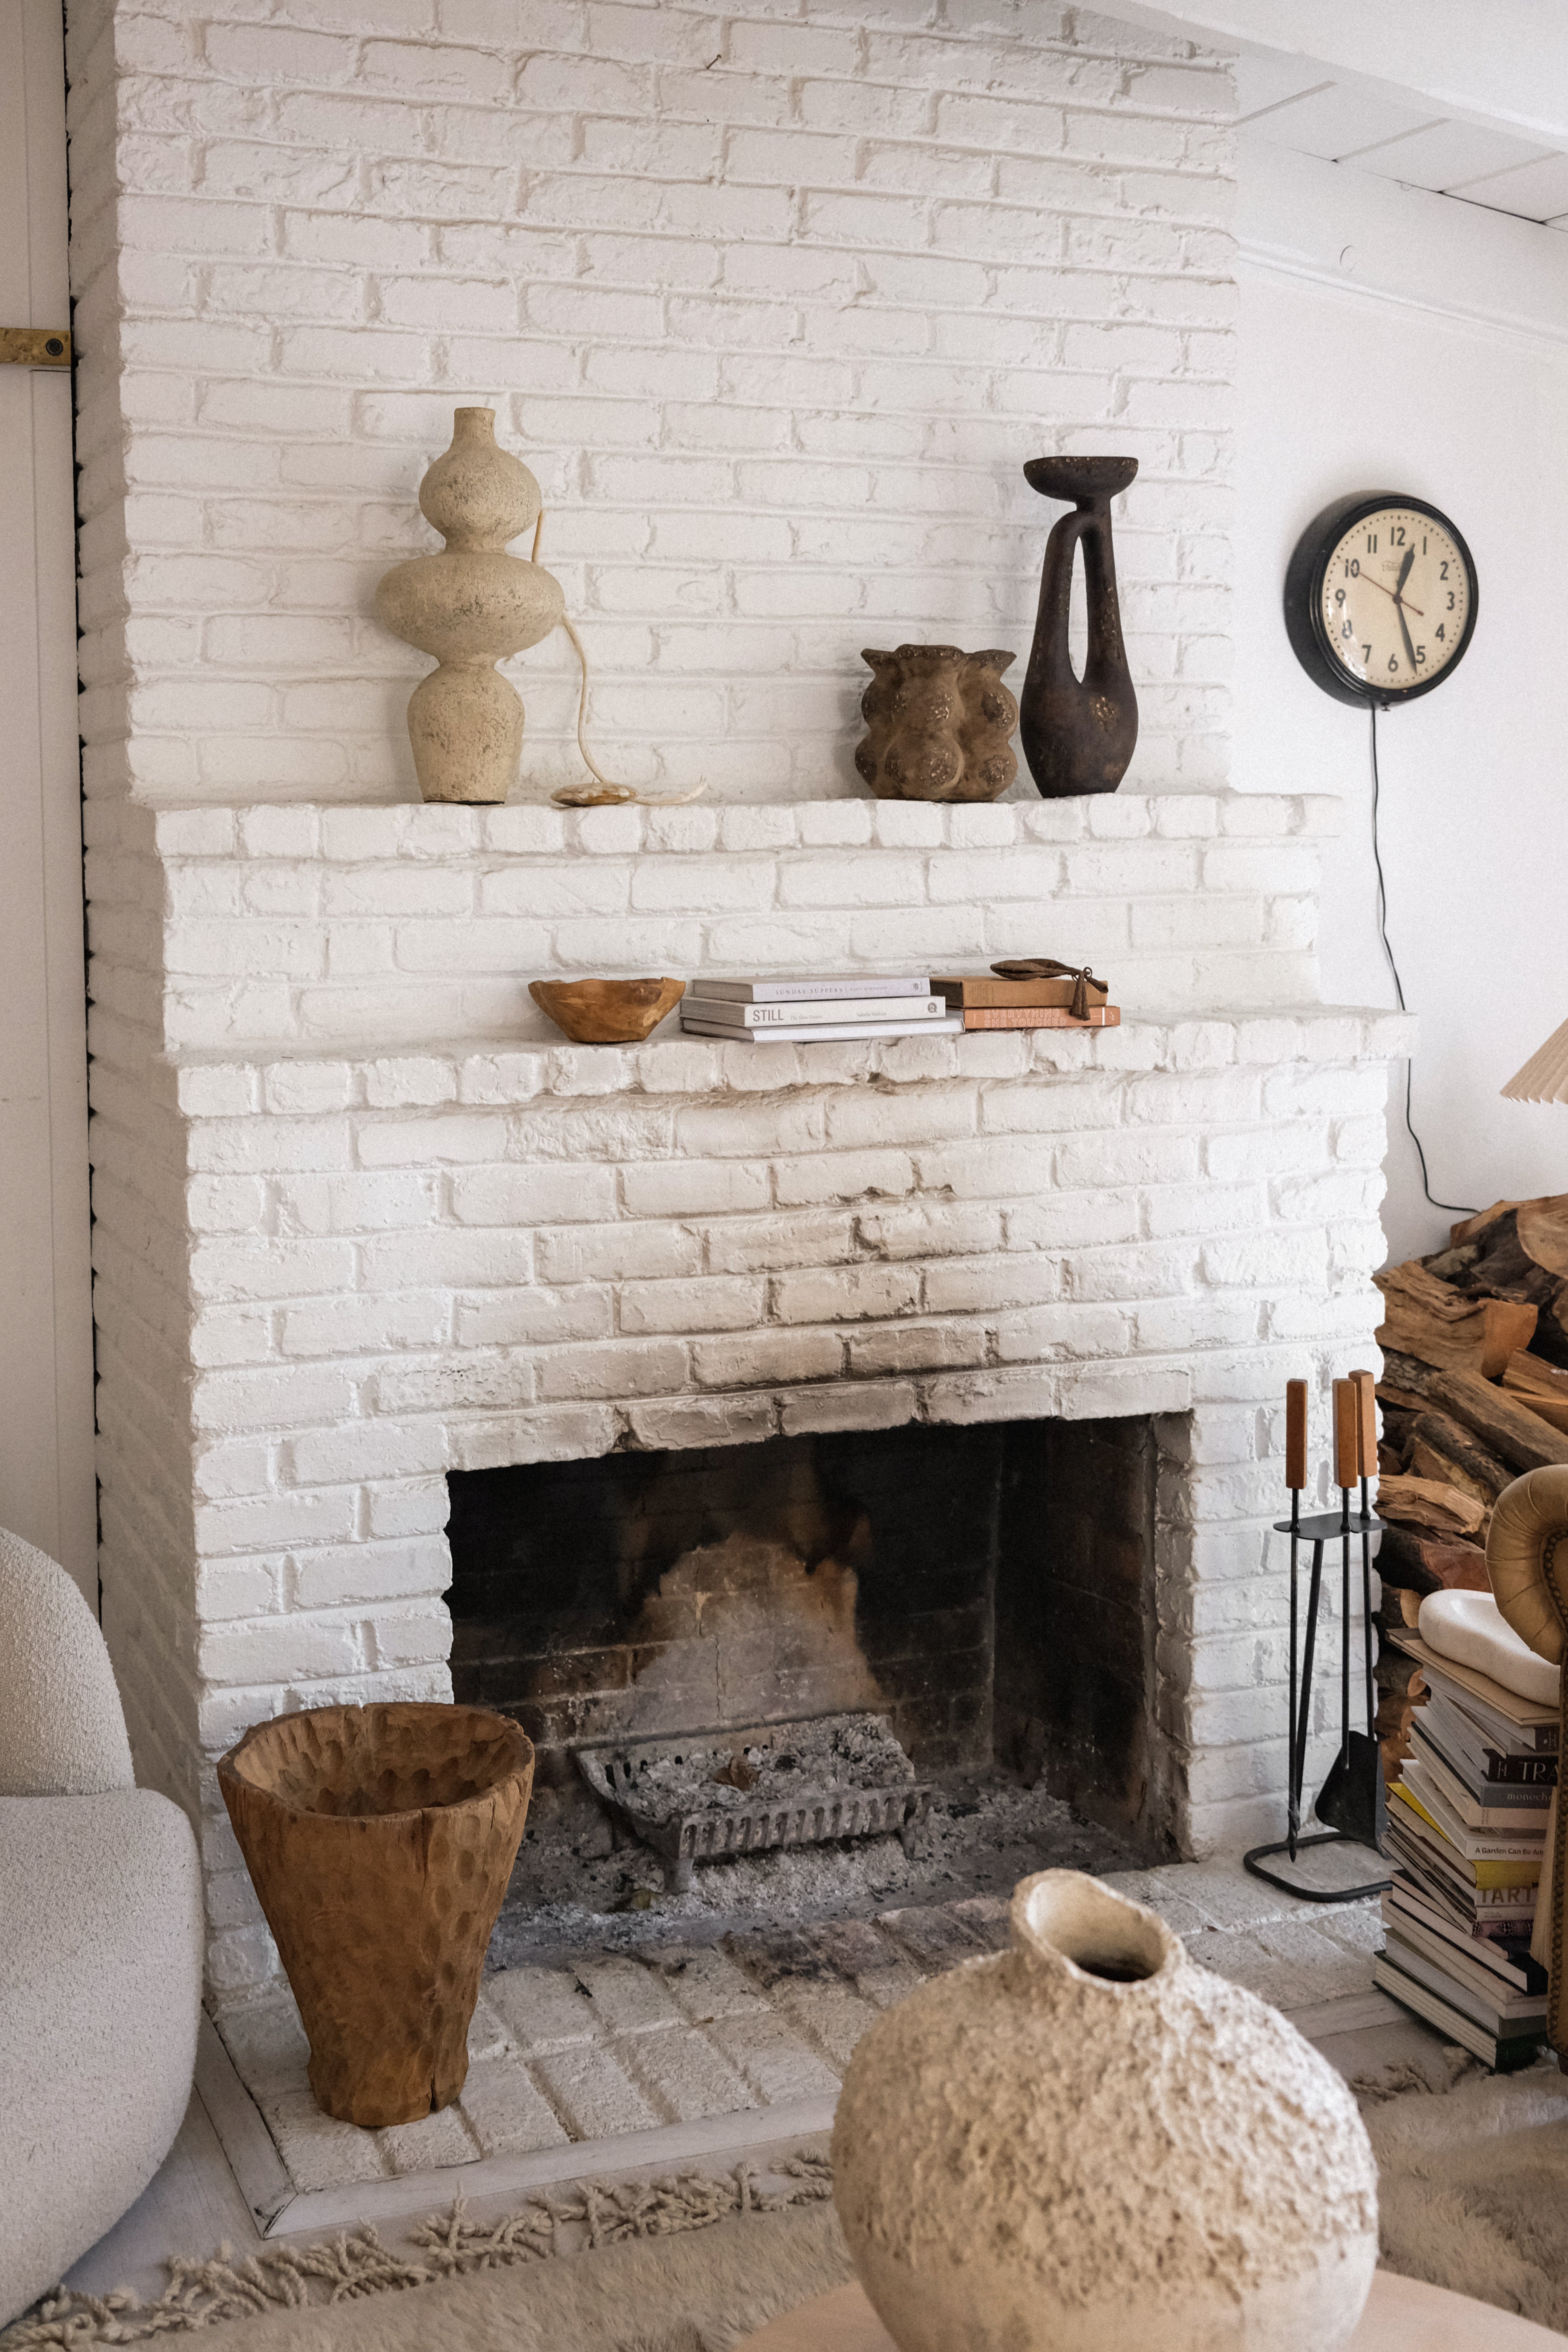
(1398, 984)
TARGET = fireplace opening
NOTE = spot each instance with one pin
(987, 1591)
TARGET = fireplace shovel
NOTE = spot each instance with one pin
(1351, 1799)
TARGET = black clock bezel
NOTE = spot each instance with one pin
(1304, 578)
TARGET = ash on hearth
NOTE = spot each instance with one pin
(721, 1792)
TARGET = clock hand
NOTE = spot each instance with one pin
(1404, 571)
(1371, 583)
(1404, 633)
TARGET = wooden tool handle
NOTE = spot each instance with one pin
(1347, 1435)
(1365, 1388)
(1296, 1434)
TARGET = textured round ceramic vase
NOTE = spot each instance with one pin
(939, 724)
(1088, 2144)
(380, 1840)
(471, 607)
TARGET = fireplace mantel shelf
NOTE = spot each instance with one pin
(489, 1071)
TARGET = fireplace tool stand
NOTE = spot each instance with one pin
(1351, 1800)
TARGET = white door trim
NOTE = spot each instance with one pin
(47, 1492)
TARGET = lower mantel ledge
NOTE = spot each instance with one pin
(291, 1078)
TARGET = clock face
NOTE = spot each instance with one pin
(1396, 601)
(1380, 598)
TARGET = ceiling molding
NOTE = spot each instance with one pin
(1296, 216)
(1503, 66)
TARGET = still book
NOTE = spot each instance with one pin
(840, 984)
(803, 1013)
(1503, 2054)
(1039, 1017)
(1513, 2014)
(825, 1032)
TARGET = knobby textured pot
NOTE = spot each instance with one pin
(471, 606)
(380, 1840)
(1087, 2144)
(939, 723)
(1079, 734)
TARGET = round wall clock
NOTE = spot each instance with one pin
(1380, 598)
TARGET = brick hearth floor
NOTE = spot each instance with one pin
(678, 2035)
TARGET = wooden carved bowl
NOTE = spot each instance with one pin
(380, 1841)
(606, 1011)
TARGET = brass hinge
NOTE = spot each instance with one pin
(35, 347)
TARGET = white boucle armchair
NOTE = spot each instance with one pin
(101, 1939)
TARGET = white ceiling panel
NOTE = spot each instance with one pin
(1446, 153)
(1262, 82)
(1535, 191)
(1335, 122)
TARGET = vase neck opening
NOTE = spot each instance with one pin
(1061, 1917)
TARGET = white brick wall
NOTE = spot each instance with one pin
(776, 303)
(354, 1232)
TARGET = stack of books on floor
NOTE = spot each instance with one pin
(1467, 1828)
(816, 1010)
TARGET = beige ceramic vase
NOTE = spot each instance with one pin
(471, 606)
(1088, 2143)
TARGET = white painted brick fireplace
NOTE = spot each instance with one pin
(361, 1223)
(776, 299)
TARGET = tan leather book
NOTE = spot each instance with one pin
(964, 988)
(1038, 1016)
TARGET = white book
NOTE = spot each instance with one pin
(790, 992)
(824, 1033)
(696, 1007)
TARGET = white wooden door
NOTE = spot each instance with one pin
(47, 1488)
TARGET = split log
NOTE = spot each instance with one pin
(1542, 1230)
(1401, 1609)
(1415, 1563)
(1544, 1391)
(1502, 1419)
(1469, 1464)
(1435, 1469)
(1431, 1503)
(1428, 1319)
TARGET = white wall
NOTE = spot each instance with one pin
(1351, 378)
(776, 300)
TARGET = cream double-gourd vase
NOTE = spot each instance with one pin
(471, 607)
(1088, 2143)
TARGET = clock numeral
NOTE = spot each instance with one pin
(1372, 542)
(1367, 652)
(1349, 629)
(1423, 543)
(1442, 633)
(1420, 653)
(1396, 535)
(1450, 600)
(1443, 570)
(1394, 661)
(1353, 568)
(1339, 595)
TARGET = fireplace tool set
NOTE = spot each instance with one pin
(1351, 1800)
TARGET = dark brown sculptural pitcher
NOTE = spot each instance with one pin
(1078, 734)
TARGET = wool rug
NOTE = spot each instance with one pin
(679, 2265)
(1473, 2187)
(1473, 2182)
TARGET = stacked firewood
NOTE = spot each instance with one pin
(1474, 1391)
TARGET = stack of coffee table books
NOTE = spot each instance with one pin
(1467, 1828)
(817, 1011)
